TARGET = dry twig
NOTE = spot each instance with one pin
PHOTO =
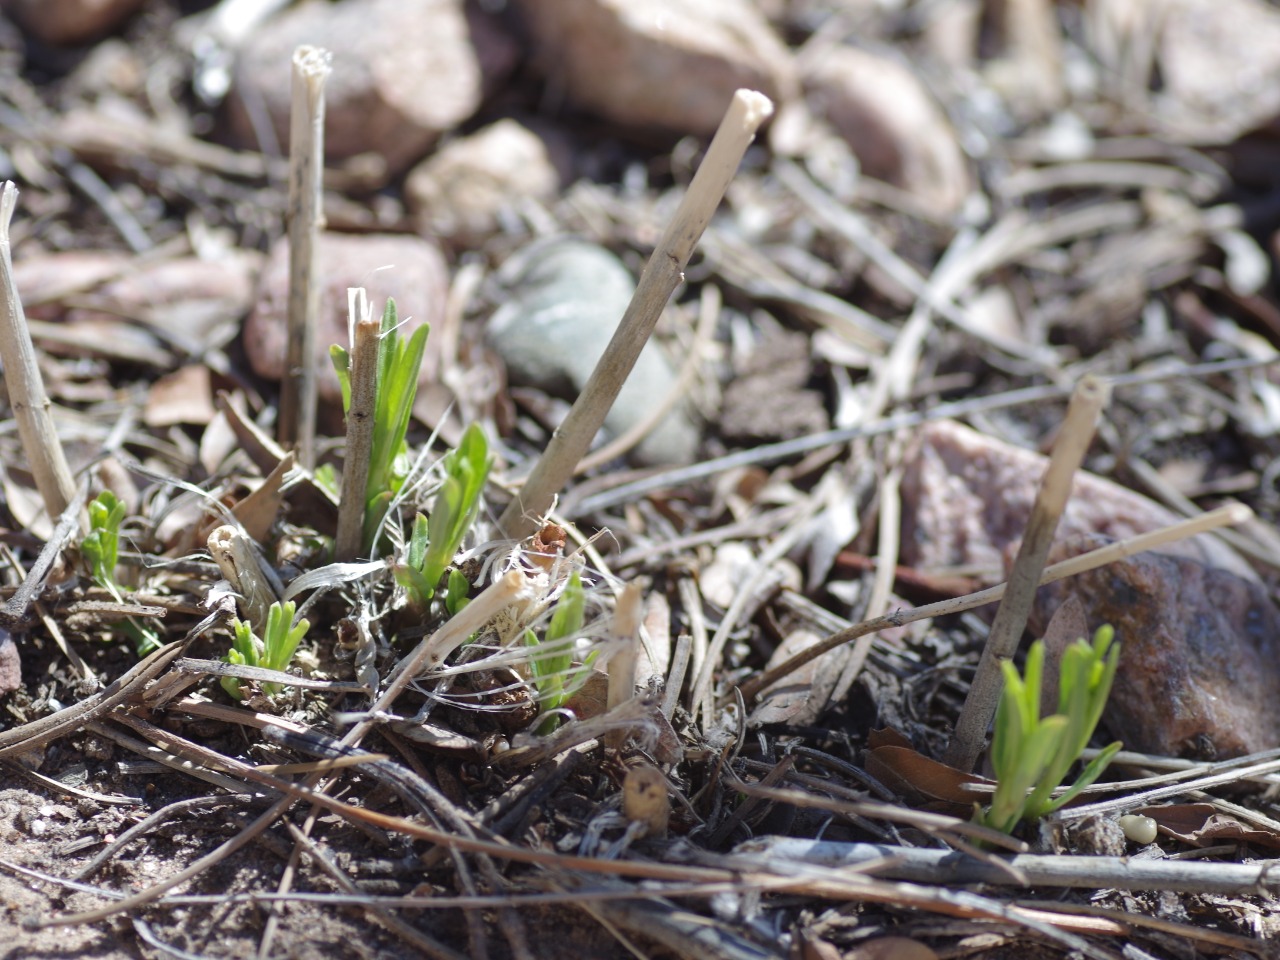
(661, 275)
(306, 217)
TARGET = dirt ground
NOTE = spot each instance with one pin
(1124, 227)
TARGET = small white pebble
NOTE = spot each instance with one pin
(1137, 828)
(38, 828)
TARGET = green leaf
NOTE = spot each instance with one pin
(341, 360)
(1032, 756)
(466, 469)
(457, 593)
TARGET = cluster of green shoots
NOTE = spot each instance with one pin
(1031, 754)
(273, 651)
(551, 659)
(101, 550)
(435, 540)
(399, 360)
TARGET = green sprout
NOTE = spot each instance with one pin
(434, 542)
(272, 652)
(399, 360)
(1031, 755)
(553, 671)
(101, 548)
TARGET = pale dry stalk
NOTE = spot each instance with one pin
(27, 398)
(311, 67)
(661, 276)
(360, 415)
(1087, 403)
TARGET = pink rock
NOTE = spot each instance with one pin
(404, 71)
(1199, 668)
(407, 268)
(107, 286)
(966, 499)
(896, 128)
(460, 190)
(668, 64)
(65, 22)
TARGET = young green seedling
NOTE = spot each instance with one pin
(273, 652)
(101, 548)
(399, 360)
(1030, 754)
(434, 542)
(553, 671)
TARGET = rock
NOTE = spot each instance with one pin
(66, 22)
(106, 286)
(966, 499)
(1200, 638)
(461, 190)
(1199, 671)
(1213, 66)
(404, 71)
(891, 122)
(564, 299)
(667, 64)
(409, 269)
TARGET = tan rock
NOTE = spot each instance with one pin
(407, 268)
(65, 22)
(668, 64)
(404, 71)
(460, 191)
(893, 124)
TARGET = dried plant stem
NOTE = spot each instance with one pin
(1087, 402)
(1224, 516)
(627, 614)
(306, 215)
(510, 588)
(364, 396)
(708, 313)
(26, 387)
(659, 280)
(237, 559)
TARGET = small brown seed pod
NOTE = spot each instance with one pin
(644, 799)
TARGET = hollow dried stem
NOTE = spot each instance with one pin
(659, 280)
(26, 387)
(360, 414)
(1087, 402)
(237, 559)
(306, 215)
(627, 614)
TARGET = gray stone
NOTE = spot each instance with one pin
(563, 301)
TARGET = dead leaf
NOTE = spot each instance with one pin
(183, 396)
(1201, 824)
(892, 948)
(903, 769)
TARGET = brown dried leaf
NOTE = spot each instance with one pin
(1201, 824)
(903, 769)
